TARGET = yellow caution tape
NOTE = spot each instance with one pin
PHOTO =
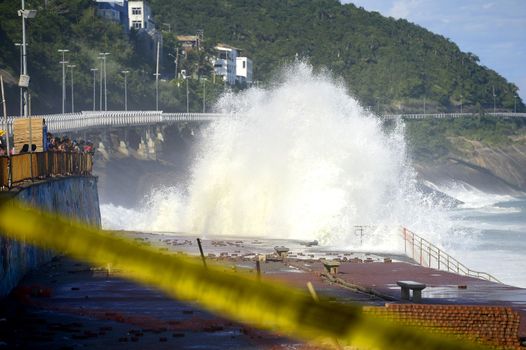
(238, 296)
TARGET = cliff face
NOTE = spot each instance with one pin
(74, 197)
(493, 168)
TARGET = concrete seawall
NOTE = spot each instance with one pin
(75, 197)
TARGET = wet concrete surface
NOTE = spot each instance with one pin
(70, 305)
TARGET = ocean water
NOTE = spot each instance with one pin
(490, 234)
(303, 160)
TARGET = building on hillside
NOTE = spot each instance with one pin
(225, 63)
(133, 15)
(140, 16)
(189, 42)
(114, 10)
(244, 73)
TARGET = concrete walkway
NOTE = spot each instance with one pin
(68, 305)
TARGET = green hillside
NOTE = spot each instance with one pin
(391, 65)
(388, 62)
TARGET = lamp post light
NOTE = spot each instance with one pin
(515, 104)
(103, 56)
(125, 72)
(63, 63)
(71, 66)
(94, 70)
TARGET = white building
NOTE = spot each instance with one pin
(140, 16)
(225, 63)
(244, 70)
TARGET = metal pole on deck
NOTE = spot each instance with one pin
(94, 70)
(63, 63)
(24, 77)
(6, 127)
(201, 251)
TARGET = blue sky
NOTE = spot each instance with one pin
(495, 30)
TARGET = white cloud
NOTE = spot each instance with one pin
(404, 8)
(488, 5)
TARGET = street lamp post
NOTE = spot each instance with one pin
(24, 79)
(176, 59)
(515, 104)
(125, 72)
(494, 100)
(461, 102)
(71, 66)
(21, 92)
(204, 95)
(187, 96)
(103, 55)
(63, 63)
(157, 79)
(94, 70)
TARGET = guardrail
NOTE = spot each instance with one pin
(427, 254)
(453, 115)
(95, 119)
(29, 166)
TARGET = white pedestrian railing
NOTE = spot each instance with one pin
(88, 120)
(452, 115)
(427, 254)
(95, 119)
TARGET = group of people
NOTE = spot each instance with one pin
(65, 144)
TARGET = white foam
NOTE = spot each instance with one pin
(302, 160)
(471, 196)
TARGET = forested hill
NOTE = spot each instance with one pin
(393, 62)
(390, 64)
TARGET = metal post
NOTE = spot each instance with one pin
(63, 62)
(21, 92)
(157, 78)
(413, 244)
(201, 252)
(439, 259)
(204, 96)
(421, 255)
(258, 269)
(461, 102)
(125, 72)
(515, 104)
(100, 80)
(24, 78)
(429, 262)
(6, 127)
(187, 97)
(405, 240)
(71, 66)
(494, 100)
(94, 70)
(105, 84)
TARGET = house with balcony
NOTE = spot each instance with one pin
(225, 63)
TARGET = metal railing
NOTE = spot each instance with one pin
(95, 119)
(21, 167)
(427, 254)
(453, 115)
